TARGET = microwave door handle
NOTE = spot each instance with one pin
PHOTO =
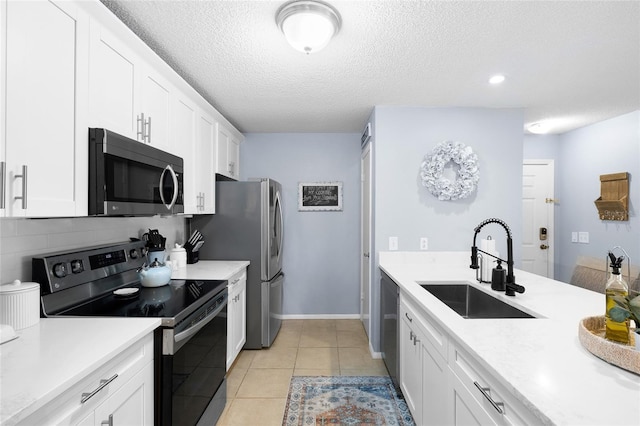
(175, 187)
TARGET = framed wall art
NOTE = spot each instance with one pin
(319, 196)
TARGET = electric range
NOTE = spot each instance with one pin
(191, 342)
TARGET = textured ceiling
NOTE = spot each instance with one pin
(577, 62)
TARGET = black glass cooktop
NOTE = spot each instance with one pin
(167, 301)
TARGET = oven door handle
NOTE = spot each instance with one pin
(176, 189)
(199, 325)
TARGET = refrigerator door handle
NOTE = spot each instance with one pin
(281, 220)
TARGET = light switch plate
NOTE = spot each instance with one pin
(583, 237)
(393, 243)
(574, 237)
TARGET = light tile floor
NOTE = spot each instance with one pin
(258, 382)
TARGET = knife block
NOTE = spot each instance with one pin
(192, 256)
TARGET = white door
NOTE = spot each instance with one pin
(365, 260)
(537, 221)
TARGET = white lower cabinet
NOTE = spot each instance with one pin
(118, 393)
(236, 316)
(423, 368)
(443, 384)
(479, 398)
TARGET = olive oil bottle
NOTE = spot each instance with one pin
(616, 286)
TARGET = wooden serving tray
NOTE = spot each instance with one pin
(591, 335)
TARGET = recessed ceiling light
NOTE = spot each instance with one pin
(538, 128)
(497, 79)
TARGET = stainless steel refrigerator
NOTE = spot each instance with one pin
(248, 225)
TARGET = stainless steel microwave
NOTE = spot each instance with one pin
(130, 178)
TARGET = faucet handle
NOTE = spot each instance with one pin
(474, 257)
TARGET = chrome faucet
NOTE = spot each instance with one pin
(511, 286)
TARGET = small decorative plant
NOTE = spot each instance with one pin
(626, 307)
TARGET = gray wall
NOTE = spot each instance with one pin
(321, 249)
(610, 146)
(21, 239)
(581, 156)
(404, 208)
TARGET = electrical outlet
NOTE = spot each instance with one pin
(574, 237)
(424, 243)
(583, 237)
(393, 243)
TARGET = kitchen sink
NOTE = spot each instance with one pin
(469, 302)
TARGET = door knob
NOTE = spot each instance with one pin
(543, 246)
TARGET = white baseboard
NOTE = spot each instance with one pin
(322, 316)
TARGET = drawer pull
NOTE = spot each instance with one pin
(87, 396)
(499, 406)
(107, 422)
(408, 317)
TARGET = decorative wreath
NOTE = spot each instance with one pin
(468, 174)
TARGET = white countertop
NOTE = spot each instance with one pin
(541, 361)
(49, 357)
(210, 270)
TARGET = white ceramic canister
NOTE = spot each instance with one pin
(178, 257)
(20, 304)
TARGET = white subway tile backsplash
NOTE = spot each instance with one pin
(21, 239)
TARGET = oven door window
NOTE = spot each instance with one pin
(199, 367)
(131, 181)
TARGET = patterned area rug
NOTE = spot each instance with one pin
(345, 400)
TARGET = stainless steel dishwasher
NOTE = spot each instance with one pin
(389, 311)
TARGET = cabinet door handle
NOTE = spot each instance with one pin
(140, 127)
(87, 396)
(108, 422)
(499, 406)
(3, 183)
(408, 317)
(147, 134)
(24, 187)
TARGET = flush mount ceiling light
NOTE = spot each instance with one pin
(497, 79)
(308, 25)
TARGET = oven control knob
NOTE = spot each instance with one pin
(60, 270)
(77, 266)
(133, 254)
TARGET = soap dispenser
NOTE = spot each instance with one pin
(616, 287)
(498, 277)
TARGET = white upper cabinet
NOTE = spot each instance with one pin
(71, 65)
(127, 95)
(45, 138)
(183, 124)
(228, 151)
(205, 162)
(114, 83)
